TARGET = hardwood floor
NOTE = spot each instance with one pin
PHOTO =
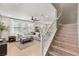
(65, 42)
(33, 50)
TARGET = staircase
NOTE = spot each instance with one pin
(65, 42)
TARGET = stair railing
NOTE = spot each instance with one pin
(59, 20)
(47, 36)
(49, 33)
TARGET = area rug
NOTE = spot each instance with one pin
(25, 45)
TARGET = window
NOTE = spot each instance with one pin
(18, 27)
(21, 27)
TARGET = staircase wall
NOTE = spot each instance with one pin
(78, 24)
(68, 10)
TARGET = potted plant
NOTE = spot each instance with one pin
(2, 28)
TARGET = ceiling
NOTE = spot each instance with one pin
(24, 10)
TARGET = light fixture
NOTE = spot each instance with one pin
(34, 18)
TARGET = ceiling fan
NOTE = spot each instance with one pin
(35, 18)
